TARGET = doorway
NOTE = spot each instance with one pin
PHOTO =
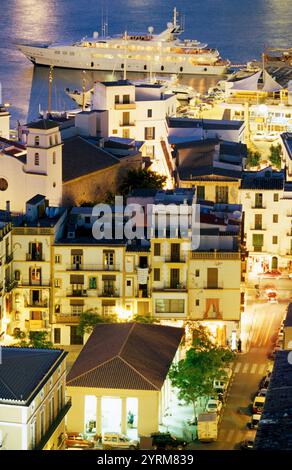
(111, 410)
(274, 262)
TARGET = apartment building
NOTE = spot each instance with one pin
(33, 405)
(6, 257)
(30, 278)
(266, 199)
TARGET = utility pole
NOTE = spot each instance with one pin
(51, 78)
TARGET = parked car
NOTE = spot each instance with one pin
(76, 440)
(164, 440)
(246, 445)
(114, 440)
(258, 404)
(259, 135)
(254, 422)
(271, 136)
(262, 392)
(220, 386)
(213, 406)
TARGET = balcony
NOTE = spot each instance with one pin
(67, 318)
(8, 258)
(37, 303)
(34, 283)
(109, 293)
(258, 206)
(257, 249)
(258, 227)
(125, 106)
(176, 259)
(171, 288)
(93, 267)
(76, 293)
(215, 286)
(57, 421)
(143, 294)
(35, 325)
(215, 255)
(127, 123)
(34, 257)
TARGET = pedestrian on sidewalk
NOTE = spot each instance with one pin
(239, 345)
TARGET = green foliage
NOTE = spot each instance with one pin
(204, 362)
(143, 319)
(142, 179)
(89, 319)
(275, 155)
(35, 339)
(253, 158)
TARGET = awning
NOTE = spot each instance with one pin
(108, 277)
(76, 252)
(77, 302)
(108, 303)
(76, 279)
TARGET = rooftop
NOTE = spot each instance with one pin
(117, 83)
(125, 356)
(175, 122)
(20, 384)
(207, 172)
(264, 179)
(81, 158)
(44, 124)
(275, 427)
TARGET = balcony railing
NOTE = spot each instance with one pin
(57, 421)
(127, 123)
(93, 267)
(215, 255)
(76, 293)
(218, 285)
(258, 206)
(121, 106)
(37, 303)
(257, 249)
(35, 325)
(171, 287)
(109, 293)
(33, 283)
(176, 259)
(34, 257)
(67, 318)
(258, 227)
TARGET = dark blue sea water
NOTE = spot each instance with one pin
(240, 29)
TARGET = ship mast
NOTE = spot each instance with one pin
(51, 78)
(83, 91)
(174, 17)
(126, 56)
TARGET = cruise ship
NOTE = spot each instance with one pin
(148, 52)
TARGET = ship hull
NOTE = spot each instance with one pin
(69, 58)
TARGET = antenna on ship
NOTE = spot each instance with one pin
(51, 78)
(126, 56)
(83, 90)
(174, 17)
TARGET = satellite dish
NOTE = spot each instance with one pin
(150, 29)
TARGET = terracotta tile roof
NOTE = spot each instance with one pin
(126, 356)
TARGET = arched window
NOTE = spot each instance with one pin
(3, 184)
(36, 159)
(56, 139)
(37, 141)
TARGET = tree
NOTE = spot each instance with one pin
(141, 179)
(144, 319)
(204, 362)
(253, 158)
(89, 319)
(275, 155)
(34, 339)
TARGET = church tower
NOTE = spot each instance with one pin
(44, 159)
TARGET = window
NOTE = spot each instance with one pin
(3, 184)
(129, 282)
(156, 273)
(156, 249)
(115, 131)
(57, 283)
(36, 159)
(258, 200)
(51, 141)
(275, 218)
(257, 241)
(126, 99)
(75, 338)
(57, 259)
(197, 302)
(212, 278)
(149, 133)
(117, 99)
(222, 194)
(200, 192)
(275, 240)
(92, 283)
(126, 119)
(149, 113)
(57, 335)
(197, 273)
(17, 275)
(76, 309)
(54, 158)
(150, 151)
(56, 139)
(36, 141)
(108, 259)
(57, 308)
(169, 306)
(258, 218)
(276, 197)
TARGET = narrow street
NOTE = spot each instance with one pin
(250, 366)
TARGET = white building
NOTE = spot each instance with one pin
(38, 170)
(266, 198)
